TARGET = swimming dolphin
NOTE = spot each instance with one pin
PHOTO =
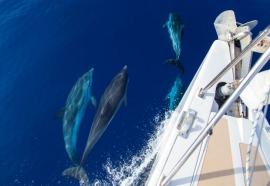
(110, 102)
(175, 28)
(73, 112)
(176, 93)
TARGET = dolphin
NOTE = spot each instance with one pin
(175, 28)
(176, 93)
(110, 102)
(73, 112)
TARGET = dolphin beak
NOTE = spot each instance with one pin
(125, 67)
(92, 69)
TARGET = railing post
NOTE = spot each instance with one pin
(255, 69)
(238, 58)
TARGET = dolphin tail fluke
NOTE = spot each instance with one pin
(176, 63)
(77, 173)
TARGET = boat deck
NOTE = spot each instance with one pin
(218, 167)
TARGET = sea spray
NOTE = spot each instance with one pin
(135, 170)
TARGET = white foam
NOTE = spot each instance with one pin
(130, 171)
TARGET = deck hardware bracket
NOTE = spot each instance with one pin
(187, 123)
(182, 118)
(201, 93)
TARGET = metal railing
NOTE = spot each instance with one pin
(238, 58)
(255, 69)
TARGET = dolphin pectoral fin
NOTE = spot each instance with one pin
(77, 173)
(93, 100)
(60, 114)
(125, 100)
(176, 63)
(165, 24)
(168, 96)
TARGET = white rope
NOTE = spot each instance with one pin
(255, 123)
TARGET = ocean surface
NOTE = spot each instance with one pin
(45, 46)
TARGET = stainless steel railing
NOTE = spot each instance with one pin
(238, 58)
(255, 69)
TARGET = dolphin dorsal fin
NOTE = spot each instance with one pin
(60, 114)
(93, 100)
(125, 101)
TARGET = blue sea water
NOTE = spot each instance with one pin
(45, 46)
